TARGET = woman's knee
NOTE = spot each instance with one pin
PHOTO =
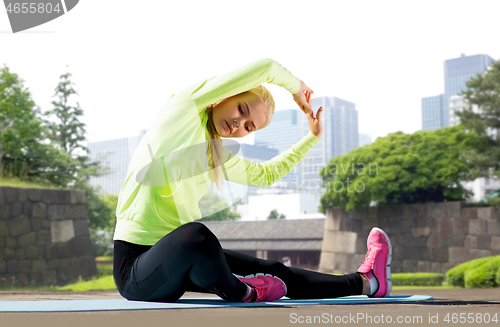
(197, 235)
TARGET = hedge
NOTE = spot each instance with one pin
(417, 279)
(478, 273)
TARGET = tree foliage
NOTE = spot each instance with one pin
(212, 202)
(275, 215)
(401, 168)
(482, 115)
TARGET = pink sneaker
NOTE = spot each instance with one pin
(378, 258)
(266, 287)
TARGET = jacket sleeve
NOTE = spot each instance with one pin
(242, 171)
(237, 81)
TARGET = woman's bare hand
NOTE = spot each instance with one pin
(315, 124)
(303, 98)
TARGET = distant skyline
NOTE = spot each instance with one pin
(127, 60)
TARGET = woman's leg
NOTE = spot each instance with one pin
(186, 258)
(300, 283)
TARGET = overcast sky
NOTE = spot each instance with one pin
(128, 57)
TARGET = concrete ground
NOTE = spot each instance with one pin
(471, 307)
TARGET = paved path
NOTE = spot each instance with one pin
(470, 304)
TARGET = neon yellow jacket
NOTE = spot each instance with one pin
(168, 173)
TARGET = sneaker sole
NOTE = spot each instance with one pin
(388, 282)
(261, 274)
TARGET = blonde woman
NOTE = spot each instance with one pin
(160, 252)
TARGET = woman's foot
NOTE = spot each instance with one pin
(265, 288)
(377, 263)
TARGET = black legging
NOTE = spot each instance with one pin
(190, 258)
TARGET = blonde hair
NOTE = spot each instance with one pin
(214, 149)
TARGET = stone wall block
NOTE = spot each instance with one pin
(435, 267)
(26, 240)
(401, 225)
(420, 231)
(49, 277)
(78, 197)
(420, 221)
(8, 254)
(457, 240)
(39, 265)
(457, 255)
(16, 209)
(13, 266)
(36, 224)
(440, 255)
(82, 226)
(331, 223)
(51, 252)
(76, 211)
(362, 213)
(460, 226)
(2, 197)
(11, 242)
(477, 253)
(39, 210)
(56, 197)
(425, 254)
(43, 237)
(19, 254)
(470, 213)
(54, 264)
(34, 194)
(56, 212)
(434, 240)
(437, 210)
(25, 266)
(3, 269)
(326, 261)
(471, 241)
(484, 242)
(4, 230)
(84, 246)
(22, 194)
(423, 266)
(10, 194)
(344, 242)
(35, 252)
(349, 224)
(4, 211)
(435, 224)
(410, 265)
(477, 227)
(62, 231)
(411, 253)
(446, 228)
(493, 227)
(487, 213)
(495, 243)
(19, 226)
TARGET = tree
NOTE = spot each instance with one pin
(275, 215)
(211, 202)
(401, 168)
(482, 115)
(23, 151)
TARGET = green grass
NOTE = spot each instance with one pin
(15, 182)
(105, 283)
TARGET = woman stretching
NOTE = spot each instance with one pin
(160, 252)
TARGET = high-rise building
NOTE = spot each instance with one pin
(365, 139)
(114, 156)
(457, 72)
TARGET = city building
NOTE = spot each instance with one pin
(457, 71)
(114, 156)
(365, 139)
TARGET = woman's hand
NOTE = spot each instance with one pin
(315, 124)
(303, 98)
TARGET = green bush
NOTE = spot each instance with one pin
(482, 272)
(417, 279)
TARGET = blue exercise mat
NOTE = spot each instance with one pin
(187, 303)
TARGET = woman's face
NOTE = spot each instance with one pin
(239, 115)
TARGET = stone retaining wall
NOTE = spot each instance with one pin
(431, 237)
(44, 237)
